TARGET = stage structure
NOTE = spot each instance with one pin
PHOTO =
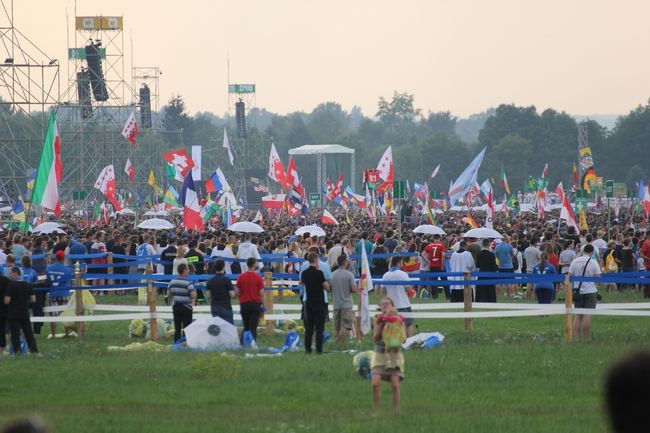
(30, 83)
(321, 151)
(99, 101)
(246, 146)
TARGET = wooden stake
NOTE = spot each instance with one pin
(151, 300)
(467, 292)
(109, 260)
(268, 302)
(568, 303)
(79, 299)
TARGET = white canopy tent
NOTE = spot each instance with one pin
(321, 163)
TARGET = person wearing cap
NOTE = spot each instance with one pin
(61, 277)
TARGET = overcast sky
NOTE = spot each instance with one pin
(579, 56)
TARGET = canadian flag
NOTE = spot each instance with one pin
(276, 170)
(106, 185)
(130, 131)
(128, 169)
(181, 162)
(328, 218)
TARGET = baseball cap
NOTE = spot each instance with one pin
(60, 255)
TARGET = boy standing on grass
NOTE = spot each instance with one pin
(343, 285)
(182, 294)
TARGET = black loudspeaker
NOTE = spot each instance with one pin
(240, 117)
(145, 106)
(97, 81)
(83, 94)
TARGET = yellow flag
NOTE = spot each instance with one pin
(152, 181)
(583, 220)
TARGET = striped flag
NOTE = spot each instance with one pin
(50, 170)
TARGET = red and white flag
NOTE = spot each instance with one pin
(274, 201)
(128, 169)
(181, 162)
(258, 218)
(566, 212)
(276, 170)
(130, 131)
(386, 171)
(106, 185)
(328, 218)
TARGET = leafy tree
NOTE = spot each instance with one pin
(327, 122)
(175, 118)
(442, 122)
(399, 109)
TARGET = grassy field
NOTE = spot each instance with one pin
(510, 375)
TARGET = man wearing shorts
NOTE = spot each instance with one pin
(61, 277)
(343, 285)
(584, 266)
(397, 292)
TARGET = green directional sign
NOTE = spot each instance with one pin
(80, 53)
(78, 195)
(314, 196)
(241, 88)
(398, 189)
(609, 189)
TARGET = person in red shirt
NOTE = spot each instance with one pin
(250, 289)
(645, 255)
(435, 253)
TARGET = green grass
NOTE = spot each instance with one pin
(510, 375)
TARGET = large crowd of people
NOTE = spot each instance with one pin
(30, 260)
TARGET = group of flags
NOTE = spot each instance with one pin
(377, 198)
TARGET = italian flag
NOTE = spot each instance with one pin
(50, 170)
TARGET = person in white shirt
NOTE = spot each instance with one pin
(397, 292)
(532, 255)
(223, 250)
(461, 261)
(248, 249)
(585, 293)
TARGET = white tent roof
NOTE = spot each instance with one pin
(314, 149)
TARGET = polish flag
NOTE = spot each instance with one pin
(128, 169)
(274, 201)
(106, 185)
(130, 131)
(328, 218)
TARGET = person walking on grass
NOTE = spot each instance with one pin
(398, 292)
(315, 307)
(18, 296)
(182, 295)
(544, 290)
(250, 289)
(585, 292)
(379, 370)
(343, 285)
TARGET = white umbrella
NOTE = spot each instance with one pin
(312, 230)
(429, 229)
(126, 211)
(49, 227)
(211, 333)
(483, 233)
(156, 224)
(245, 227)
